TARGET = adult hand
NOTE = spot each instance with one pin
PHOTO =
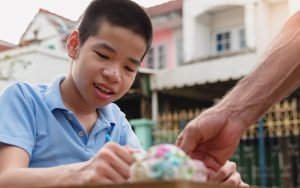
(110, 165)
(228, 175)
(212, 136)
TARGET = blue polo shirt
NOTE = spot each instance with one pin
(34, 118)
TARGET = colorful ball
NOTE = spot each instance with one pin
(166, 162)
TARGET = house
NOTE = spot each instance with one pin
(222, 41)
(31, 64)
(40, 55)
(49, 30)
(166, 50)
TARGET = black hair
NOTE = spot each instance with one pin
(124, 13)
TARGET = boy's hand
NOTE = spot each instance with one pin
(228, 175)
(110, 165)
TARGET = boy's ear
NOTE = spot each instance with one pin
(73, 44)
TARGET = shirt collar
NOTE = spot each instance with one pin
(52, 94)
(107, 115)
(54, 101)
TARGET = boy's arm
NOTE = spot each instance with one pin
(109, 165)
(14, 171)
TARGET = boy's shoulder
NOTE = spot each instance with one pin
(25, 89)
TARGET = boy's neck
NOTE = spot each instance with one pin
(86, 115)
(72, 98)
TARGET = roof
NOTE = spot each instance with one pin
(6, 45)
(58, 21)
(198, 73)
(165, 8)
(61, 23)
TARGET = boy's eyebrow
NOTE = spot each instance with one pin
(109, 48)
(135, 61)
(106, 46)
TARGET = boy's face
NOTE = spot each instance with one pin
(105, 66)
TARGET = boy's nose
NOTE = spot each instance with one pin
(112, 74)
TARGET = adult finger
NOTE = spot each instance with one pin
(243, 184)
(209, 161)
(233, 179)
(188, 139)
(225, 171)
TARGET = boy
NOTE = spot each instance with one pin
(56, 134)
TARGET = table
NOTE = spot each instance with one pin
(158, 184)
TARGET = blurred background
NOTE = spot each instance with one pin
(201, 49)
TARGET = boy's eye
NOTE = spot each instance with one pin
(129, 69)
(102, 55)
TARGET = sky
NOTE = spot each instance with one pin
(15, 15)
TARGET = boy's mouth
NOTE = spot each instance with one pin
(103, 89)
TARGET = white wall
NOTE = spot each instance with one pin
(270, 19)
(192, 11)
(294, 6)
(202, 38)
(262, 20)
(43, 26)
(228, 17)
(279, 14)
(57, 42)
(46, 32)
(44, 65)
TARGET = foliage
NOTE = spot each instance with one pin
(9, 65)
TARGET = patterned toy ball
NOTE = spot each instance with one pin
(166, 162)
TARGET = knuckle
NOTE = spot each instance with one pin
(93, 178)
(112, 145)
(222, 173)
(233, 182)
(234, 166)
(105, 154)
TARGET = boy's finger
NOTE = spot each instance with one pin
(113, 174)
(123, 153)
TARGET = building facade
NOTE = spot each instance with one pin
(222, 41)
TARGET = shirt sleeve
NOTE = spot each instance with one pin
(17, 122)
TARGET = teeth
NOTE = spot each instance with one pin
(103, 89)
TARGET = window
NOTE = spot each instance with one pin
(157, 57)
(229, 39)
(179, 51)
(162, 56)
(223, 41)
(150, 59)
(242, 38)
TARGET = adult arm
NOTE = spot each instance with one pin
(213, 136)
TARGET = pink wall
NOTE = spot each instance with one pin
(165, 37)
